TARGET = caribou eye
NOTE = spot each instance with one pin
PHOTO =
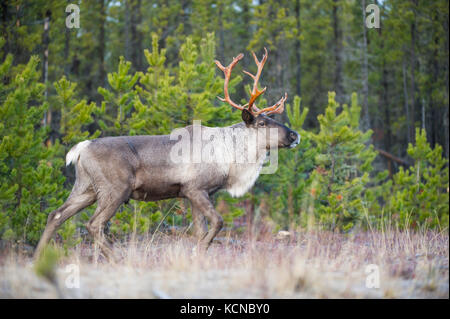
(261, 123)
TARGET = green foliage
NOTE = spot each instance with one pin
(167, 100)
(118, 101)
(46, 264)
(419, 194)
(137, 217)
(343, 164)
(30, 170)
(327, 179)
(228, 207)
(278, 29)
(74, 116)
(69, 235)
(290, 183)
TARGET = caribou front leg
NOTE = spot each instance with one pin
(199, 222)
(200, 200)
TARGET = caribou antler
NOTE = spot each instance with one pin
(227, 73)
(255, 92)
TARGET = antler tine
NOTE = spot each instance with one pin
(255, 93)
(227, 73)
(276, 108)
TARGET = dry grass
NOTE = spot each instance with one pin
(308, 265)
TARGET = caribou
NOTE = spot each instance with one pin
(113, 170)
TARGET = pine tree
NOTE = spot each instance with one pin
(419, 194)
(74, 116)
(343, 164)
(118, 101)
(167, 100)
(30, 171)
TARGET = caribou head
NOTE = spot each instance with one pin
(254, 117)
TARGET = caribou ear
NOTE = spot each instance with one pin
(247, 117)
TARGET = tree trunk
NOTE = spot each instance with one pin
(446, 107)
(423, 114)
(446, 126)
(136, 36)
(384, 101)
(435, 119)
(45, 42)
(337, 53)
(385, 105)
(246, 17)
(405, 98)
(4, 29)
(127, 31)
(365, 123)
(66, 49)
(221, 52)
(413, 78)
(298, 56)
(101, 45)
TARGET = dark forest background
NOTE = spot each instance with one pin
(400, 70)
(146, 67)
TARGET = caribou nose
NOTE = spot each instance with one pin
(293, 136)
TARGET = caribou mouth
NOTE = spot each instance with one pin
(296, 142)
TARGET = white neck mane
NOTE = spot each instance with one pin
(243, 173)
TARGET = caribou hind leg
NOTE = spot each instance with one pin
(76, 202)
(82, 196)
(107, 207)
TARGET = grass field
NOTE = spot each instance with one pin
(301, 265)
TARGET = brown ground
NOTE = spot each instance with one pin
(307, 265)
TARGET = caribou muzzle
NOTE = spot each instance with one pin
(294, 139)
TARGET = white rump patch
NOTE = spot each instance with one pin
(74, 153)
